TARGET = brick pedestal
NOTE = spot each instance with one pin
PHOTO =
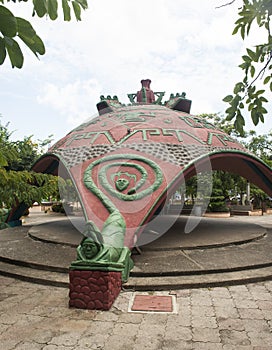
(94, 290)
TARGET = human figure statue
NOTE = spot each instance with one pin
(95, 254)
(145, 95)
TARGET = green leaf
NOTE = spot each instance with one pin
(83, 3)
(255, 117)
(252, 55)
(235, 30)
(243, 32)
(14, 52)
(263, 99)
(8, 24)
(266, 80)
(240, 119)
(260, 92)
(52, 9)
(228, 98)
(66, 10)
(36, 45)
(236, 101)
(251, 89)
(77, 10)
(40, 7)
(25, 28)
(238, 126)
(28, 35)
(239, 21)
(3, 51)
(230, 115)
(244, 65)
(263, 110)
(252, 71)
(238, 88)
(246, 58)
(251, 106)
(39, 45)
(248, 27)
(230, 110)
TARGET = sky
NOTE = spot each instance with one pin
(180, 45)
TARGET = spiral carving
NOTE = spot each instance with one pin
(114, 160)
(115, 224)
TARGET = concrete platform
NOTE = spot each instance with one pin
(215, 252)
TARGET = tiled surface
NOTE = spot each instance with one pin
(36, 317)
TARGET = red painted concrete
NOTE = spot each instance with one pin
(94, 290)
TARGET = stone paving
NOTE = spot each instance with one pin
(36, 317)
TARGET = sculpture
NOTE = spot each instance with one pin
(145, 95)
(93, 256)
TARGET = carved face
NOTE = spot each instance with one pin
(89, 249)
(121, 184)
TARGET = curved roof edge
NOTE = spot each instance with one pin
(253, 169)
(237, 162)
(233, 161)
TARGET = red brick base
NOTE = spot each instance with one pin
(94, 290)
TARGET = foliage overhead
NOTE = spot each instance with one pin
(13, 28)
(256, 65)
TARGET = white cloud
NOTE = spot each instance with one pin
(179, 45)
(74, 100)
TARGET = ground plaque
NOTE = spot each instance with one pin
(159, 303)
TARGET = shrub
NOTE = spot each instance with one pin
(217, 202)
(58, 208)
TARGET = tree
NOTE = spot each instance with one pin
(261, 145)
(217, 198)
(221, 123)
(18, 183)
(26, 154)
(12, 27)
(256, 64)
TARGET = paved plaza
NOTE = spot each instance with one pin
(36, 317)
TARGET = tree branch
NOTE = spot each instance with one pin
(261, 72)
(227, 4)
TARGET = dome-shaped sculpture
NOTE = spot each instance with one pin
(124, 162)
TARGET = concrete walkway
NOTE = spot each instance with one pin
(36, 317)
